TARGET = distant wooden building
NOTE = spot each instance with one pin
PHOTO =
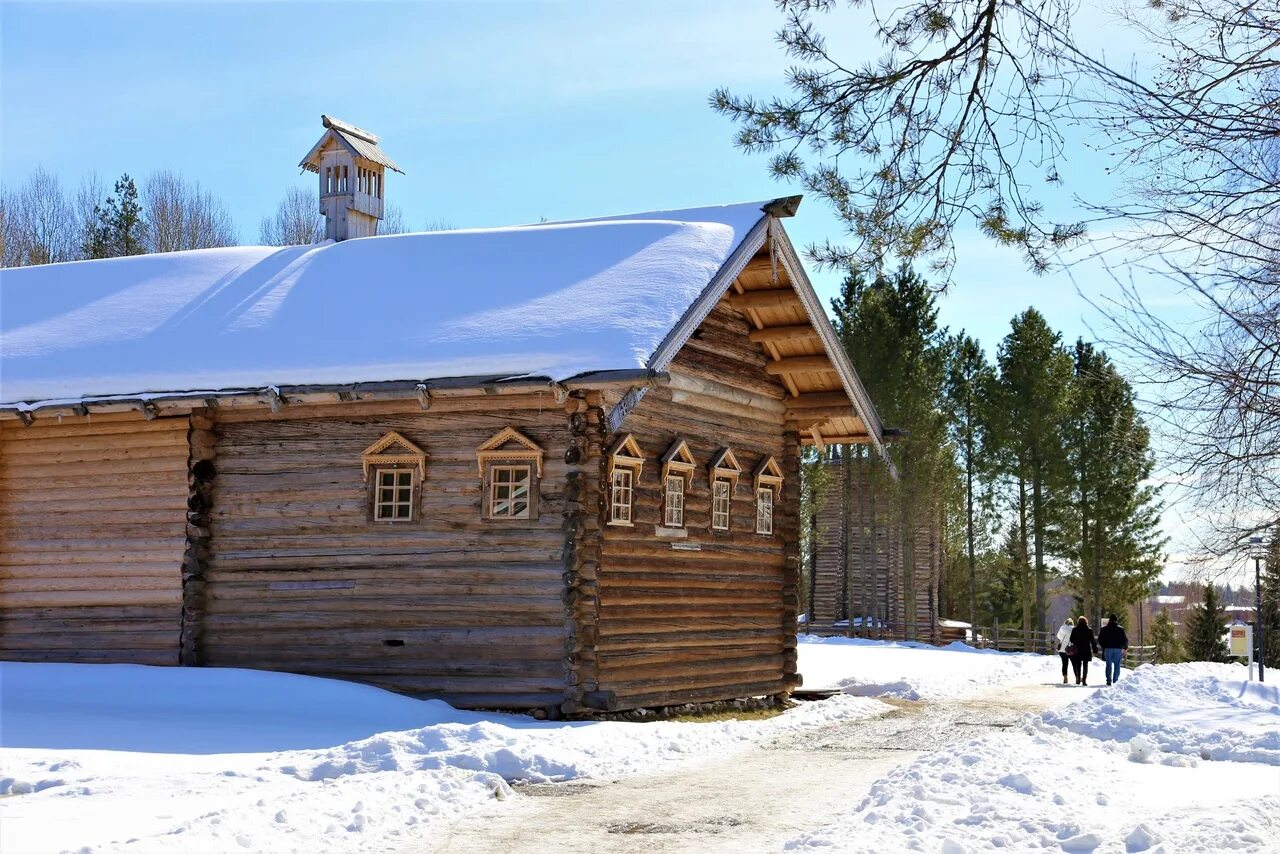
(872, 574)
(548, 466)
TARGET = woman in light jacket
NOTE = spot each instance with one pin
(1086, 647)
(1064, 640)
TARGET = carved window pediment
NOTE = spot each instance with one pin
(768, 475)
(724, 466)
(510, 445)
(625, 453)
(678, 461)
(393, 450)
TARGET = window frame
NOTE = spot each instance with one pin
(492, 485)
(764, 492)
(630, 491)
(767, 478)
(376, 504)
(728, 504)
(667, 494)
(509, 449)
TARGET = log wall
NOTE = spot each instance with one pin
(451, 605)
(92, 537)
(677, 625)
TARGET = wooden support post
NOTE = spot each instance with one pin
(201, 442)
(582, 522)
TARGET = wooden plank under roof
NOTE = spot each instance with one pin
(819, 405)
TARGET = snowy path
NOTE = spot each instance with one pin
(755, 799)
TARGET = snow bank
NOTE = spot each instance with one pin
(1196, 709)
(1045, 789)
(1123, 769)
(96, 757)
(567, 298)
(916, 671)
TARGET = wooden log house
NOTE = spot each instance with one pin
(552, 466)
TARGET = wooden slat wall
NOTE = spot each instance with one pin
(695, 626)
(92, 532)
(478, 604)
(874, 579)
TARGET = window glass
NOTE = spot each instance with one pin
(674, 517)
(620, 496)
(509, 492)
(764, 511)
(720, 505)
(393, 500)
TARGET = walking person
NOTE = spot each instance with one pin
(1064, 642)
(1084, 648)
(1114, 642)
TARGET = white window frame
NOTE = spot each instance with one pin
(386, 511)
(673, 502)
(494, 485)
(764, 510)
(622, 491)
(717, 514)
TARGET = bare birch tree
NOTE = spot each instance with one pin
(297, 220)
(180, 214)
(39, 222)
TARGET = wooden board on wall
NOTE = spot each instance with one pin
(678, 625)
(92, 533)
(450, 605)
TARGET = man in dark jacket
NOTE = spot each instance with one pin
(1114, 642)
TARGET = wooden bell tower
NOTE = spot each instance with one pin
(351, 167)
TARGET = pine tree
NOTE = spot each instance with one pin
(969, 376)
(1033, 394)
(1206, 631)
(889, 327)
(1164, 638)
(117, 228)
(1111, 534)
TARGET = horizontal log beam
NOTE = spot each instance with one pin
(783, 333)
(864, 439)
(771, 298)
(820, 413)
(800, 365)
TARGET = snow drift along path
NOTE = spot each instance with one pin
(154, 759)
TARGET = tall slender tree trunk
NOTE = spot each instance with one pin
(1037, 512)
(968, 495)
(1023, 553)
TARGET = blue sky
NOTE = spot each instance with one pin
(500, 113)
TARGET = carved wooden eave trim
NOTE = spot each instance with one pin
(625, 453)
(491, 451)
(724, 466)
(678, 460)
(381, 453)
(767, 474)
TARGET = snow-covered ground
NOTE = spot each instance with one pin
(916, 671)
(103, 758)
(130, 758)
(1173, 758)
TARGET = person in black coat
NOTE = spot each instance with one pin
(1114, 642)
(1085, 648)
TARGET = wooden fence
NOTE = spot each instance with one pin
(983, 637)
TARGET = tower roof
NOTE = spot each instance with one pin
(358, 141)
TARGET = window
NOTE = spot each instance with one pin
(724, 479)
(673, 516)
(720, 501)
(764, 510)
(768, 485)
(397, 467)
(510, 468)
(394, 499)
(625, 464)
(677, 477)
(621, 492)
(509, 492)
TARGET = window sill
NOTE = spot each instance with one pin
(613, 524)
(674, 533)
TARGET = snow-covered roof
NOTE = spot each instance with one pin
(1171, 600)
(552, 300)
